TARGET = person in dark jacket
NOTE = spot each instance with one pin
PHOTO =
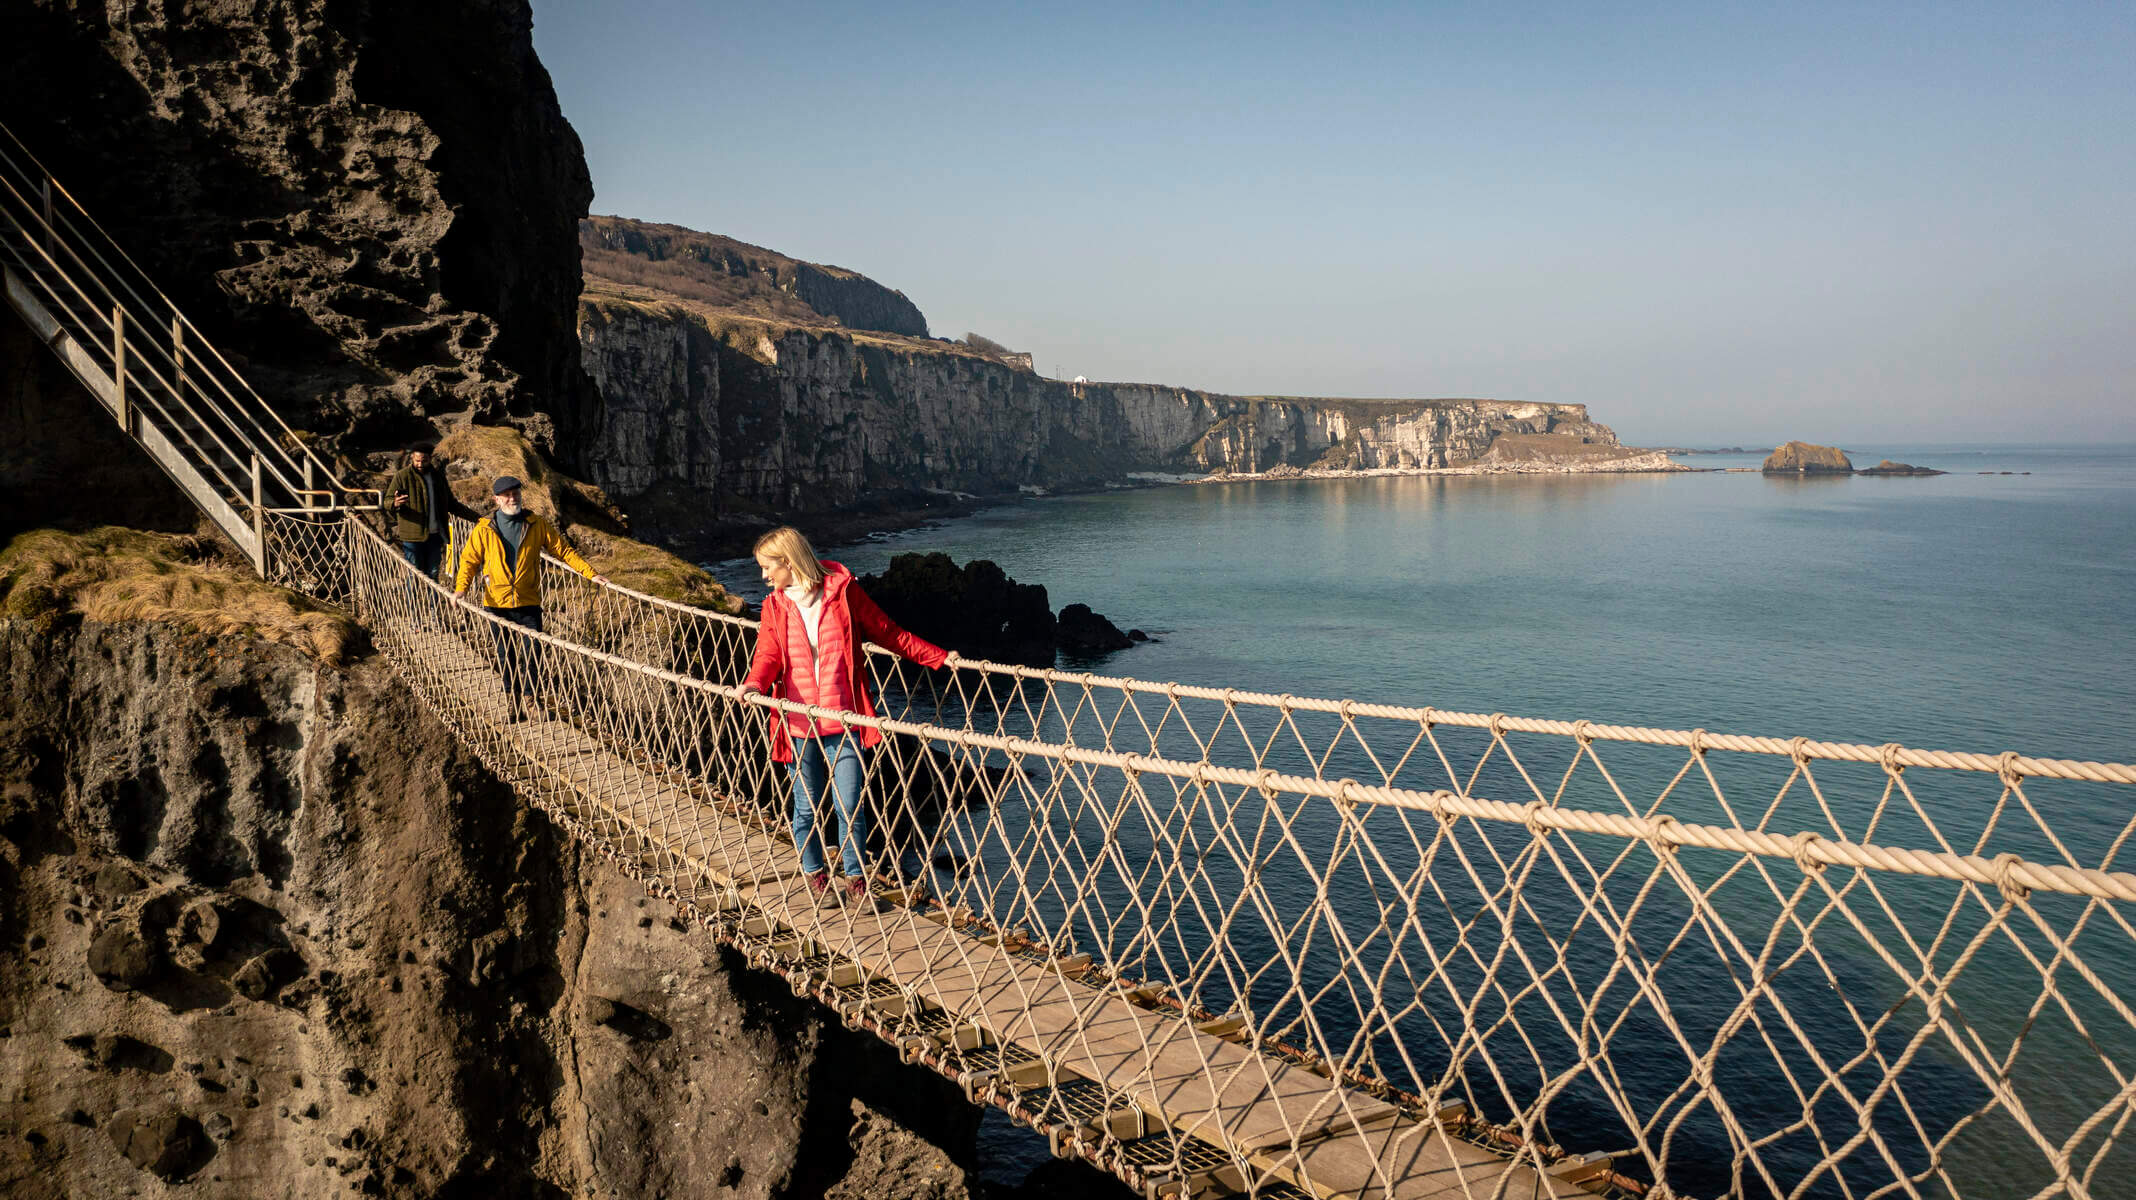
(420, 501)
(809, 649)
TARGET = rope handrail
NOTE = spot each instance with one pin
(1698, 740)
(1667, 832)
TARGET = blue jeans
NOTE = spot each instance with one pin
(836, 755)
(425, 555)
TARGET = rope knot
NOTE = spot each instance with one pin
(1345, 707)
(1430, 717)
(1498, 725)
(1284, 702)
(1668, 833)
(1261, 780)
(1798, 748)
(1887, 756)
(2006, 766)
(1799, 846)
(1582, 732)
(2006, 867)
(1531, 815)
(1698, 743)
(1346, 793)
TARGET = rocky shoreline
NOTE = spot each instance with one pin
(1643, 463)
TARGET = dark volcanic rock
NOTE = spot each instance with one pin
(347, 835)
(1805, 458)
(374, 208)
(1084, 633)
(975, 609)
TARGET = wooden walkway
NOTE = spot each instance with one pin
(1290, 1124)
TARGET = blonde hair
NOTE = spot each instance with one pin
(787, 545)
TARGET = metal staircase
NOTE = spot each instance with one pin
(168, 388)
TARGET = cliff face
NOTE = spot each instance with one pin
(374, 206)
(813, 419)
(267, 930)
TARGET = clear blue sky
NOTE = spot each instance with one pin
(1845, 223)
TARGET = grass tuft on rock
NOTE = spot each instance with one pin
(109, 574)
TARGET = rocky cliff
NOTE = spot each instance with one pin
(268, 930)
(740, 412)
(374, 207)
(264, 928)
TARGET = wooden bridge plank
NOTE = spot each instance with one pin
(1410, 1161)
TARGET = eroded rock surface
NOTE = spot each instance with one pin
(373, 207)
(266, 929)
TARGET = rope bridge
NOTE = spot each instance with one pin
(1224, 942)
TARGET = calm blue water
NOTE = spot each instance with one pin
(1966, 611)
(1977, 611)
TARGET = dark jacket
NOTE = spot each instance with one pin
(412, 518)
(842, 601)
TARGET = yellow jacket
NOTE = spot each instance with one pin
(513, 585)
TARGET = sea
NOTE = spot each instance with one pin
(1991, 608)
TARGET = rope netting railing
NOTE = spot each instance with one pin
(1299, 946)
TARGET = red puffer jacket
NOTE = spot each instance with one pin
(842, 601)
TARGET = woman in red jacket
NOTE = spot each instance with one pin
(808, 650)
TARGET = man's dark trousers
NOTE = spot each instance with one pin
(425, 555)
(518, 658)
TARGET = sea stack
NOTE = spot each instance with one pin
(1888, 467)
(1804, 458)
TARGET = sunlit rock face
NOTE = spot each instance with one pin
(1807, 458)
(810, 419)
(372, 208)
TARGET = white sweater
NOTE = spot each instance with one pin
(809, 603)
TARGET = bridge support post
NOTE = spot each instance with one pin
(118, 369)
(259, 521)
(178, 357)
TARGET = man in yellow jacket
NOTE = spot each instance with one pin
(506, 549)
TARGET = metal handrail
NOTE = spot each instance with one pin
(54, 223)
